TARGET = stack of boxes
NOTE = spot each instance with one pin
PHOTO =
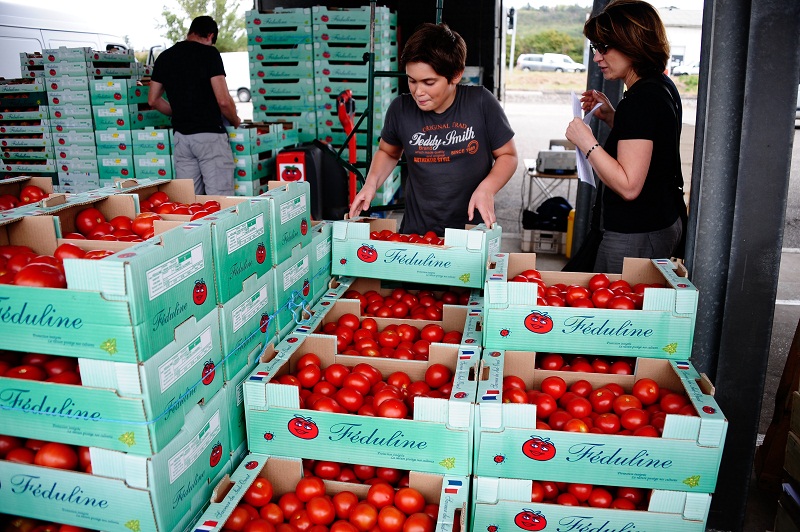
(281, 68)
(166, 331)
(26, 144)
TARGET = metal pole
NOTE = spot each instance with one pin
(512, 19)
(773, 59)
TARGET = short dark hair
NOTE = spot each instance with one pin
(205, 26)
(438, 46)
(633, 28)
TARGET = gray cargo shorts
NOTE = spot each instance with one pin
(207, 159)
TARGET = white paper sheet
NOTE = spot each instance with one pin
(585, 173)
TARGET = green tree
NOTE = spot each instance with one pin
(550, 41)
(232, 36)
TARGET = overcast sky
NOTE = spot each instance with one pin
(138, 19)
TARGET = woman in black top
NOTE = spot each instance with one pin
(640, 163)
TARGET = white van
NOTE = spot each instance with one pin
(237, 74)
(26, 28)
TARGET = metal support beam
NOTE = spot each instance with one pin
(767, 133)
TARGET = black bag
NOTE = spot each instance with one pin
(583, 260)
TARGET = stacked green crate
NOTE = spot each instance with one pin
(280, 50)
(254, 147)
(25, 141)
(341, 40)
(66, 72)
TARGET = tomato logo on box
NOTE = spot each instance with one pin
(530, 520)
(303, 427)
(539, 449)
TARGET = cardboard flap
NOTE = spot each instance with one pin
(490, 490)
(54, 200)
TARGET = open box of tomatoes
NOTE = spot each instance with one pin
(136, 408)
(159, 493)
(518, 315)
(521, 504)
(407, 414)
(123, 307)
(18, 191)
(459, 261)
(266, 492)
(403, 339)
(657, 428)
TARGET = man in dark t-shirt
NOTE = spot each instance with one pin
(458, 143)
(193, 78)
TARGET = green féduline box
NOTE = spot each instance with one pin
(461, 261)
(254, 138)
(108, 90)
(292, 289)
(664, 328)
(74, 82)
(506, 504)
(42, 139)
(438, 439)
(68, 123)
(278, 18)
(291, 217)
(76, 151)
(248, 323)
(449, 492)
(73, 138)
(113, 141)
(67, 53)
(124, 307)
(129, 407)
(241, 238)
(114, 165)
(138, 93)
(111, 115)
(160, 493)
(153, 165)
(151, 140)
(246, 172)
(77, 166)
(81, 111)
(17, 85)
(254, 187)
(320, 254)
(68, 96)
(144, 118)
(685, 458)
(24, 113)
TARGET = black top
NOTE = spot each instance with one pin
(647, 112)
(448, 155)
(186, 70)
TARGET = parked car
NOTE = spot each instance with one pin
(687, 69)
(549, 62)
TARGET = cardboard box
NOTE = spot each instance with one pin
(248, 323)
(68, 96)
(437, 440)
(152, 165)
(60, 68)
(151, 140)
(40, 139)
(37, 112)
(129, 407)
(109, 90)
(124, 307)
(161, 493)
(278, 18)
(664, 328)
(76, 151)
(685, 458)
(65, 53)
(287, 52)
(71, 124)
(111, 116)
(450, 492)
(292, 289)
(320, 255)
(113, 165)
(19, 155)
(113, 141)
(289, 71)
(460, 262)
(145, 118)
(14, 185)
(506, 504)
(254, 187)
(291, 217)
(73, 138)
(78, 82)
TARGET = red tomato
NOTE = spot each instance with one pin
(21, 455)
(259, 493)
(157, 198)
(514, 395)
(625, 402)
(554, 386)
(621, 303)
(634, 418)
(364, 472)
(394, 408)
(552, 362)
(673, 402)
(600, 498)
(238, 519)
(58, 455)
(622, 504)
(647, 431)
(582, 388)
(432, 333)
(309, 375)
(68, 251)
(290, 503)
(212, 206)
(575, 292)
(579, 407)
(580, 491)
(308, 488)
(545, 405)
(67, 377)
(388, 338)
(350, 399)
(8, 443)
(335, 374)
(373, 375)
(26, 372)
(599, 280)
(419, 522)
(343, 503)
(621, 285)
(306, 359)
(512, 381)
(646, 390)
(364, 516)
(635, 495)
(390, 475)
(576, 425)
(621, 367)
(87, 219)
(349, 320)
(559, 419)
(272, 513)
(437, 375)
(567, 499)
(321, 510)
(602, 400)
(537, 491)
(608, 423)
(601, 297)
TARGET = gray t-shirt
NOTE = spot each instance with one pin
(448, 155)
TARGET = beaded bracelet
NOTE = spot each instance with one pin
(597, 145)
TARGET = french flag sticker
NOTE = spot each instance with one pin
(259, 376)
(475, 312)
(207, 525)
(682, 365)
(465, 354)
(303, 329)
(453, 486)
(491, 395)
